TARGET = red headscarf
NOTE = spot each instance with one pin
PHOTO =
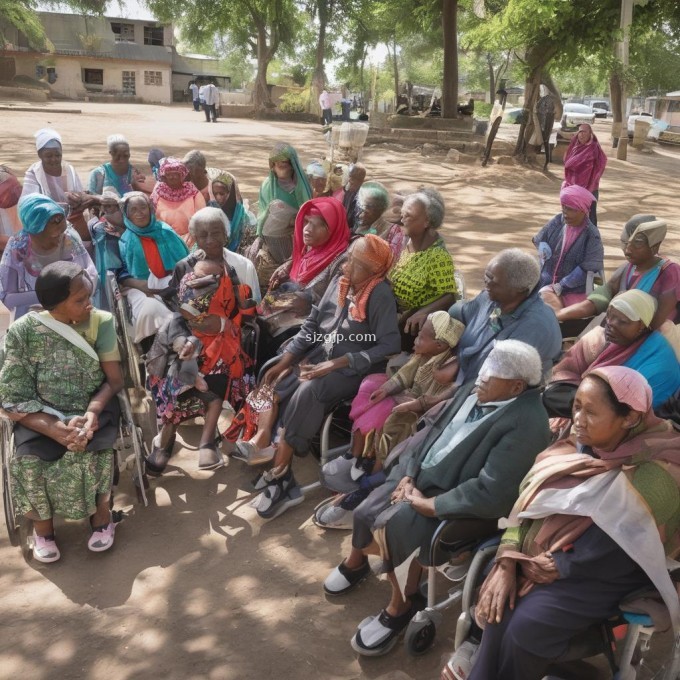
(10, 189)
(309, 262)
(584, 163)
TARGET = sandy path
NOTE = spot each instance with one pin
(197, 586)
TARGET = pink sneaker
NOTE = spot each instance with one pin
(45, 549)
(102, 539)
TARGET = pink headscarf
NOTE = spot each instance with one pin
(630, 387)
(308, 263)
(576, 197)
(584, 163)
(162, 190)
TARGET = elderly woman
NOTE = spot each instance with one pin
(150, 249)
(58, 180)
(596, 516)
(45, 237)
(357, 320)
(105, 232)
(286, 181)
(422, 279)
(174, 197)
(466, 468)
(320, 244)
(569, 246)
(221, 360)
(227, 198)
(625, 340)
(118, 174)
(645, 270)
(372, 204)
(58, 383)
(584, 164)
(200, 173)
(355, 178)
(10, 193)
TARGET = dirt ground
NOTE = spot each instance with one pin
(196, 585)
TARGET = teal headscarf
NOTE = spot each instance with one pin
(170, 246)
(36, 210)
(271, 189)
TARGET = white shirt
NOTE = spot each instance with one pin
(245, 270)
(325, 100)
(210, 94)
(194, 90)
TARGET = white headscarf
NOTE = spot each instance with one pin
(45, 136)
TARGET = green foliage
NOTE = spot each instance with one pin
(295, 102)
(482, 109)
(654, 62)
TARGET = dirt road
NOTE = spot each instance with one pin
(197, 586)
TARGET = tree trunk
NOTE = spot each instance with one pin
(617, 105)
(532, 89)
(262, 98)
(450, 84)
(395, 67)
(554, 90)
(492, 78)
(319, 75)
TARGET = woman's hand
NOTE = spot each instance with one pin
(278, 370)
(499, 589)
(415, 322)
(411, 406)
(210, 325)
(378, 395)
(422, 505)
(540, 569)
(279, 276)
(447, 372)
(311, 371)
(405, 486)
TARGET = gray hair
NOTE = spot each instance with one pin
(112, 141)
(432, 202)
(195, 157)
(521, 269)
(513, 360)
(205, 216)
(375, 191)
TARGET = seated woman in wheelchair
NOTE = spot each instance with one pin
(466, 466)
(213, 315)
(58, 383)
(350, 333)
(645, 270)
(596, 516)
(569, 246)
(625, 340)
(150, 249)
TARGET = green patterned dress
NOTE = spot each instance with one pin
(43, 371)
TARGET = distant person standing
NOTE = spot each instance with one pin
(211, 98)
(193, 88)
(326, 110)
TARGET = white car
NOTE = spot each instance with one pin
(636, 116)
(600, 113)
(574, 115)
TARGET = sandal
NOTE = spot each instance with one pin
(157, 460)
(342, 579)
(209, 457)
(250, 454)
(376, 635)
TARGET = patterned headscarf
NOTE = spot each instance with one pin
(309, 262)
(446, 328)
(375, 254)
(164, 191)
(36, 210)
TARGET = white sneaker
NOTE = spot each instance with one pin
(462, 660)
(45, 549)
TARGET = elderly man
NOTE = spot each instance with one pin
(465, 466)
(211, 100)
(326, 105)
(199, 172)
(357, 176)
(509, 307)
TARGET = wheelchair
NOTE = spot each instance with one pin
(626, 658)
(129, 452)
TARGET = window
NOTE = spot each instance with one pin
(93, 76)
(123, 32)
(673, 106)
(129, 83)
(153, 77)
(153, 35)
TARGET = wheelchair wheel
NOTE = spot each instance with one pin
(420, 635)
(7, 446)
(132, 437)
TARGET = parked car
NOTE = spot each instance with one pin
(635, 116)
(575, 115)
(600, 113)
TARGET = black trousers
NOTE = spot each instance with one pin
(209, 110)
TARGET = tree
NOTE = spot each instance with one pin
(450, 79)
(263, 26)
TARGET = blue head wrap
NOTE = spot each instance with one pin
(36, 210)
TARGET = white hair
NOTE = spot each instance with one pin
(112, 141)
(205, 216)
(513, 360)
(432, 202)
(521, 269)
(195, 157)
